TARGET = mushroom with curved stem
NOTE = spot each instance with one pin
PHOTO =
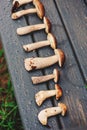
(41, 96)
(39, 9)
(28, 29)
(48, 112)
(51, 40)
(40, 62)
(18, 3)
(45, 78)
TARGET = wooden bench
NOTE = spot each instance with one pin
(69, 25)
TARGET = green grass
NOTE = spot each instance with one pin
(1, 52)
(86, 86)
(9, 114)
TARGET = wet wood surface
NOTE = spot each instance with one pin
(69, 25)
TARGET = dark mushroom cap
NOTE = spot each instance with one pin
(15, 6)
(63, 107)
(53, 42)
(47, 24)
(40, 8)
(56, 73)
(14, 1)
(61, 56)
(59, 91)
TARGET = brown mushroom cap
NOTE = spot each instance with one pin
(51, 38)
(59, 91)
(63, 107)
(40, 8)
(61, 56)
(47, 24)
(56, 73)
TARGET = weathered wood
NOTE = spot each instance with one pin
(51, 121)
(77, 128)
(71, 81)
(70, 74)
(74, 17)
(21, 79)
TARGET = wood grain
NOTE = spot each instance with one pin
(74, 17)
(69, 28)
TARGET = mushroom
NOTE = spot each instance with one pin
(18, 3)
(40, 62)
(43, 95)
(39, 9)
(48, 112)
(27, 29)
(51, 40)
(45, 78)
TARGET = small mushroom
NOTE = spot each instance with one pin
(51, 40)
(39, 9)
(45, 78)
(28, 29)
(18, 3)
(41, 96)
(48, 112)
(40, 62)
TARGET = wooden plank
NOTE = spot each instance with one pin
(73, 80)
(77, 128)
(52, 121)
(85, 1)
(70, 75)
(70, 80)
(21, 79)
(74, 16)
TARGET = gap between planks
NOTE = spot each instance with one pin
(68, 36)
(43, 73)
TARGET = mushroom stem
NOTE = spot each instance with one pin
(44, 114)
(39, 9)
(29, 29)
(51, 40)
(32, 46)
(41, 79)
(48, 112)
(39, 63)
(45, 78)
(52, 111)
(43, 95)
(23, 12)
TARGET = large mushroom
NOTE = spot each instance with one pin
(18, 3)
(51, 40)
(39, 9)
(28, 29)
(40, 62)
(41, 96)
(40, 79)
(48, 112)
